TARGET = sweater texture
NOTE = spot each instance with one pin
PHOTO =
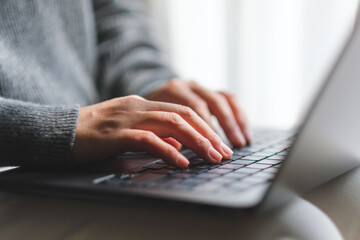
(56, 56)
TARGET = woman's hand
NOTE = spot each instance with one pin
(135, 124)
(205, 103)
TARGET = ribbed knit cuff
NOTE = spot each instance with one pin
(37, 135)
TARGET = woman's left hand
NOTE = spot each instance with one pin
(206, 103)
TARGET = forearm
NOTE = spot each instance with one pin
(36, 135)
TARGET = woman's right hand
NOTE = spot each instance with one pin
(135, 124)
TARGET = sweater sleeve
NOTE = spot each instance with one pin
(130, 61)
(36, 135)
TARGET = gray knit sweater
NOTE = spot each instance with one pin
(59, 55)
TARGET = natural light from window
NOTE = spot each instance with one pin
(272, 54)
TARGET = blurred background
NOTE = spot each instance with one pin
(273, 55)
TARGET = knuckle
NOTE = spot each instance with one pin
(203, 142)
(229, 96)
(232, 97)
(214, 138)
(168, 149)
(175, 119)
(173, 83)
(147, 138)
(193, 83)
(135, 97)
(201, 105)
(132, 102)
(219, 100)
(129, 100)
(187, 111)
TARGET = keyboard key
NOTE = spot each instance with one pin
(271, 170)
(225, 161)
(241, 152)
(264, 175)
(246, 148)
(207, 175)
(181, 175)
(234, 157)
(194, 170)
(276, 157)
(241, 162)
(190, 155)
(254, 180)
(219, 171)
(235, 175)
(203, 166)
(260, 154)
(252, 158)
(213, 166)
(165, 171)
(258, 166)
(268, 153)
(247, 170)
(208, 165)
(269, 161)
(230, 166)
(275, 149)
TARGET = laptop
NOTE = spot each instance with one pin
(277, 167)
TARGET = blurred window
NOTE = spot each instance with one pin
(272, 54)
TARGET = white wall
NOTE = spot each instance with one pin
(196, 38)
(272, 54)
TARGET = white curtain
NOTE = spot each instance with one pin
(272, 54)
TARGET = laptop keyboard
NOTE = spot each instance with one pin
(249, 166)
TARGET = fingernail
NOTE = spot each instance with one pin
(226, 149)
(182, 161)
(215, 155)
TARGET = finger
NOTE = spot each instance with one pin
(144, 141)
(167, 124)
(197, 104)
(190, 99)
(222, 110)
(196, 122)
(239, 115)
(173, 142)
